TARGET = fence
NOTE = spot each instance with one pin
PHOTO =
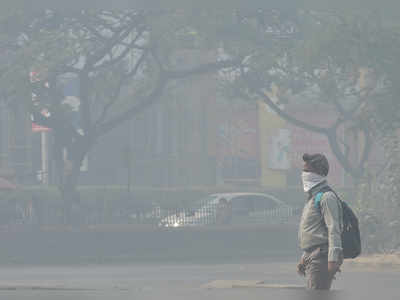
(209, 215)
(22, 212)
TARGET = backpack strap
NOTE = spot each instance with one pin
(317, 199)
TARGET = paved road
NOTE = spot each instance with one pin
(176, 282)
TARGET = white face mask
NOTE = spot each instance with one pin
(310, 180)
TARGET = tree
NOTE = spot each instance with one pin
(349, 64)
(123, 61)
(381, 205)
(314, 58)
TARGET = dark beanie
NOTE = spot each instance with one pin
(318, 163)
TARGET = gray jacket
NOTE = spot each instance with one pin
(322, 225)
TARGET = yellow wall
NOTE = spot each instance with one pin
(269, 123)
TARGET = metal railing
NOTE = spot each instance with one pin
(209, 215)
(26, 212)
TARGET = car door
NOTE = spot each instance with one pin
(242, 206)
(254, 209)
(264, 203)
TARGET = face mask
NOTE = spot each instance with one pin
(310, 180)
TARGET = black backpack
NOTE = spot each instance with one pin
(351, 239)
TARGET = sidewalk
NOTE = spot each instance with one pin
(387, 261)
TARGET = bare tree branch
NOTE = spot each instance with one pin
(157, 59)
(143, 104)
(140, 61)
(117, 38)
(330, 133)
(113, 99)
(66, 69)
(115, 96)
(135, 46)
(91, 29)
(152, 98)
(284, 115)
(121, 56)
(205, 68)
(344, 161)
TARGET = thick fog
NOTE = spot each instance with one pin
(199, 149)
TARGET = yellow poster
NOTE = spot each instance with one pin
(274, 148)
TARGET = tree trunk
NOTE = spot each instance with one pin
(69, 191)
(68, 187)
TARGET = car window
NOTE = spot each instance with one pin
(252, 203)
(242, 205)
(264, 203)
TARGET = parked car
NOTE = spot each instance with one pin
(224, 208)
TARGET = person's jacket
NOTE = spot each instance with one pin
(322, 224)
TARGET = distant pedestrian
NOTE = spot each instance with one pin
(224, 212)
(320, 227)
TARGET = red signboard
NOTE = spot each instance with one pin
(36, 77)
(38, 128)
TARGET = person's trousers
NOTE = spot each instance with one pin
(316, 267)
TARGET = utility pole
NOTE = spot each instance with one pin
(45, 157)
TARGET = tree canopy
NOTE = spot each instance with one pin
(346, 63)
(122, 60)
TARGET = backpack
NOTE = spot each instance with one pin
(351, 239)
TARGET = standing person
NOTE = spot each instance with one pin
(224, 212)
(320, 227)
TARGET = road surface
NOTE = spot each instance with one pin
(185, 281)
